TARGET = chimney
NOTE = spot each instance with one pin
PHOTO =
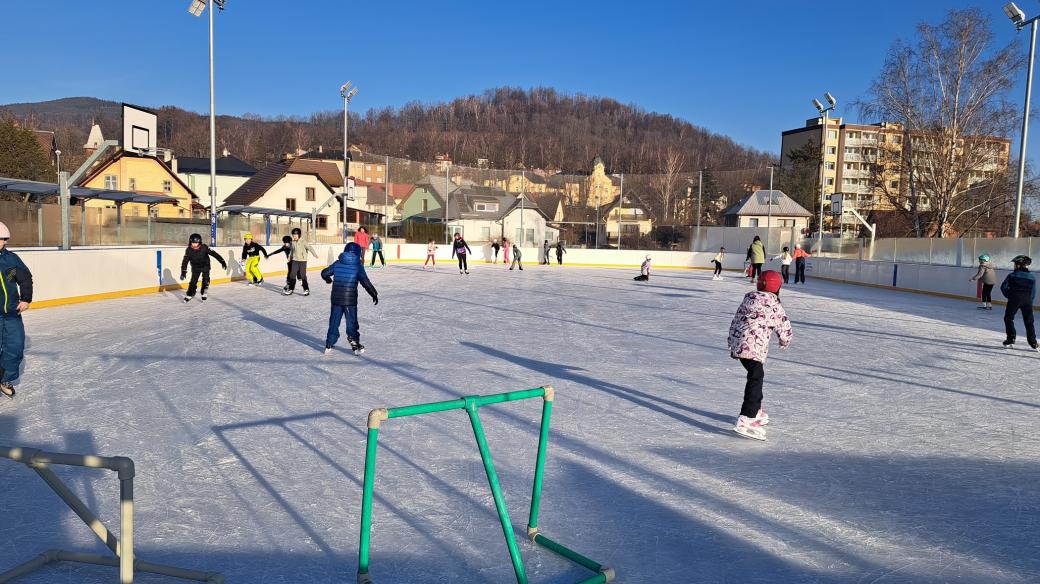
(224, 153)
(173, 163)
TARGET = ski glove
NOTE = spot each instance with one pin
(375, 300)
(184, 275)
(328, 280)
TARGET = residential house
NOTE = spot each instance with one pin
(120, 170)
(232, 172)
(483, 214)
(427, 196)
(593, 190)
(759, 209)
(630, 216)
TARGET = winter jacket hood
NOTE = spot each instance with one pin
(759, 317)
(16, 283)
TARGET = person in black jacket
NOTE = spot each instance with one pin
(287, 250)
(1020, 290)
(198, 255)
(251, 251)
(344, 274)
(459, 247)
(17, 293)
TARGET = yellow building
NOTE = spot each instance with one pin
(126, 171)
(593, 190)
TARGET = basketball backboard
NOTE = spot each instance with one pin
(139, 130)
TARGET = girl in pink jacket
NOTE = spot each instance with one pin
(759, 317)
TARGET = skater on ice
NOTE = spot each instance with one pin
(758, 318)
(559, 252)
(495, 248)
(517, 256)
(785, 258)
(431, 255)
(756, 256)
(1020, 290)
(17, 285)
(799, 263)
(345, 274)
(298, 250)
(505, 251)
(987, 275)
(377, 249)
(545, 252)
(460, 248)
(717, 260)
(287, 250)
(362, 238)
(251, 251)
(644, 271)
(197, 254)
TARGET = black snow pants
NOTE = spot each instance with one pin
(799, 270)
(785, 271)
(463, 263)
(756, 373)
(987, 292)
(1015, 305)
(204, 273)
(297, 271)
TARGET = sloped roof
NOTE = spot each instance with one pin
(46, 140)
(463, 199)
(328, 171)
(268, 176)
(114, 155)
(632, 201)
(757, 203)
(227, 165)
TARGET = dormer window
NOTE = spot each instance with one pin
(485, 207)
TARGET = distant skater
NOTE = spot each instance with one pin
(785, 258)
(377, 249)
(287, 250)
(717, 260)
(251, 251)
(799, 263)
(431, 255)
(756, 256)
(495, 247)
(644, 271)
(17, 284)
(987, 275)
(198, 254)
(758, 318)
(1020, 290)
(460, 249)
(517, 256)
(545, 253)
(560, 250)
(362, 238)
(505, 251)
(344, 274)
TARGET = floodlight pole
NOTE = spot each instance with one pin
(386, 196)
(346, 161)
(1025, 122)
(824, 111)
(212, 140)
(769, 207)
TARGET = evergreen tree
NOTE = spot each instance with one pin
(21, 156)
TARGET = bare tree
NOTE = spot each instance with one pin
(947, 92)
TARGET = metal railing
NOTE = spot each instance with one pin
(122, 547)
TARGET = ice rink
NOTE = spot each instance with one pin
(902, 446)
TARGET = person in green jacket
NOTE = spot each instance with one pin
(756, 256)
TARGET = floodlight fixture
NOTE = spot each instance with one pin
(818, 105)
(830, 99)
(197, 7)
(345, 89)
(1014, 13)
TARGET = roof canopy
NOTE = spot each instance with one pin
(43, 189)
(247, 210)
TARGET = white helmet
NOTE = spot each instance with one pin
(5, 233)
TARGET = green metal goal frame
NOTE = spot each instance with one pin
(472, 404)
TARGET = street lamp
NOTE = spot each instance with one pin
(347, 93)
(196, 9)
(1018, 18)
(824, 111)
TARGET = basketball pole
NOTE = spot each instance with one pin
(212, 142)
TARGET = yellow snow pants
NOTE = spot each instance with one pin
(253, 269)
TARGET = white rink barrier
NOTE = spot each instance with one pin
(97, 273)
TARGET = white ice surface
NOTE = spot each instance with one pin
(903, 446)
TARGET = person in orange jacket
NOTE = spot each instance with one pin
(799, 263)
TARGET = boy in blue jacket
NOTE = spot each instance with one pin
(16, 290)
(344, 275)
(1020, 290)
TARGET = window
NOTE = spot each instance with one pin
(111, 181)
(530, 236)
(322, 222)
(485, 207)
(753, 222)
(830, 182)
(379, 179)
(853, 135)
(485, 234)
(425, 205)
(787, 223)
(832, 150)
(830, 166)
(379, 168)
(893, 184)
(167, 186)
(310, 194)
(133, 184)
(833, 134)
(897, 139)
(368, 167)
(290, 204)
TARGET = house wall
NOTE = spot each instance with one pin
(531, 220)
(413, 204)
(199, 184)
(294, 186)
(777, 221)
(148, 175)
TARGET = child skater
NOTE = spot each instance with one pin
(251, 256)
(298, 250)
(17, 284)
(644, 271)
(460, 248)
(198, 255)
(987, 274)
(505, 251)
(1020, 290)
(717, 260)
(431, 255)
(759, 317)
(560, 250)
(785, 258)
(495, 247)
(517, 256)
(344, 274)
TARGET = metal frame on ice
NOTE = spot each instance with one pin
(123, 546)
(471, 404)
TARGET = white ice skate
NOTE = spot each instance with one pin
(750, 428)
(188, 298)
(328, 349)
(762, 418)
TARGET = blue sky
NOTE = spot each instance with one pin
(744, 69)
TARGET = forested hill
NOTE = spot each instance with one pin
(537, 128)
